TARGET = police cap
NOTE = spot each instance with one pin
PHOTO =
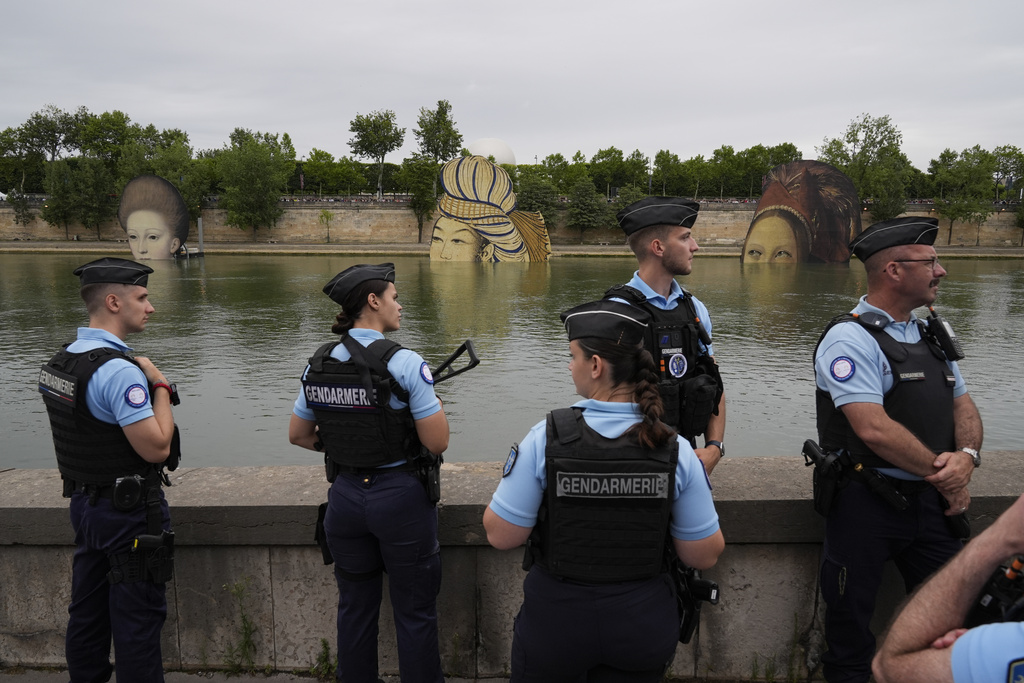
(895, 233)
(345, 281)
(113, 270)
(657, 211)
(607, 319)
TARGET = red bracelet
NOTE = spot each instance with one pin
(158, 385)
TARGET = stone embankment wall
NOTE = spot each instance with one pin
(722, 224)
(244, 545)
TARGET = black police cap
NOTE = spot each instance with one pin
(657, 211)
(606, 319)
(895, 233)
(345, 281)
(113, 270)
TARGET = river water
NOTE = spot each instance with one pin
(234, 332)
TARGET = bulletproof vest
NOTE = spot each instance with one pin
(605, 513)
(89, 451)
(349, 400)
(920, 399)
(689, 382)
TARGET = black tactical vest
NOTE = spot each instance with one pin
(605, 513)
(920, 399)
(89, 451)
(349, 399)
(690, 384)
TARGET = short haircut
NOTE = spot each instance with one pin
(93, 295)
(639, 240)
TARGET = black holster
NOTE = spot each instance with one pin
(429, 467)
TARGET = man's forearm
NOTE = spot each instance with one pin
(967, 423)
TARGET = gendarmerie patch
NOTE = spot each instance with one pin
(349, 398)
(510, 461)
(911, 376)
(136, 396)
(677, 365)
(611, 485)
(842, 368)
(58, 385)
(425, 373)
(1015, 671)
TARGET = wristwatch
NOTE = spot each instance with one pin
(721, 446)
(975, 456)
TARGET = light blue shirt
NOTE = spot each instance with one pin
(851, 367)
(520, 493)
(118, 392)
(406, 366)
(993, 652)
(675, 298)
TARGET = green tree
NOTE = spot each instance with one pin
(1009, 167)
(105, 136)
(22, 211)
(537, 193)
(321, 171)
(967, 181)
(438, 138)
(636, 170)
(557, 167)
(694, 172)
(783, 153)
(375, 135)
(418, 176)
(255, 168)
(59, 208)
(869, 154)
(53, 131)
(606, 169)
(325, 219)
(627, 195)
(93, 187)
(194, 178)
(587, 208)
(723, 168)
(753, 165)
(667, 168)
(21, 165)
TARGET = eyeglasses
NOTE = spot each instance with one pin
(934, 261)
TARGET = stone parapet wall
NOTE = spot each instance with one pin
(244, 542)
(719, 224)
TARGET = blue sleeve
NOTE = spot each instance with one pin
(849, 364)
(118, 392)
(693, 512)
(300, 409)
(993, 652)
(521, 491)
(412, 372)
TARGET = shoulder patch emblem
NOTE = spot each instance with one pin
(842, 368)
(136, 396)
(677, 365)
(426, 374)
(1015, 671)
(510, 462)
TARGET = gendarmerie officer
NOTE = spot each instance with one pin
(597, 489)
(370, 405)
(890, 399)
(659, 232)
(113, 432)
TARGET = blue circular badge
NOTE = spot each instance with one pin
(842, 368)
(425, 374)
(677, 365)
(136, 396)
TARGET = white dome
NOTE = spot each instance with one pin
(493, 147)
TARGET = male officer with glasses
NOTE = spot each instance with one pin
(891, 400)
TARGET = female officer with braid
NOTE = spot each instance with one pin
(369, 404)
(594, 490)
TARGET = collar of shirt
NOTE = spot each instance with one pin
(902, 331)
(676, 292)
(365, 334)
(94, 334)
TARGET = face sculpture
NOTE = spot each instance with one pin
(772, 239)
(455, 241)
(149, 236)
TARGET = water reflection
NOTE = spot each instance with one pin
(235, 331)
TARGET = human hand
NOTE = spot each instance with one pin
(947, 640)
(958, 500)
(709, 457)
(953, 471)
(152, 374)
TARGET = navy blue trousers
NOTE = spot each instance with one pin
(862, 532)
(568, 632)
(384, 521)
(129, 614)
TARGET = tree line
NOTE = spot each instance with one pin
(81, 161)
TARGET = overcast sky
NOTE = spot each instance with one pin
(545, 76)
